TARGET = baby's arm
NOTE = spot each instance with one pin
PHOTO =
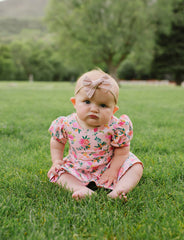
(57, 150)
(111, 174)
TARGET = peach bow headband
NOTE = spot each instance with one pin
(91, 86)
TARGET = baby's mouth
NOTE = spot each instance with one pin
(93, 116)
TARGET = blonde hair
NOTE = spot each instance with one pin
(95, 74)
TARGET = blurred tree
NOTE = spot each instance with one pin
(127, 71)
(40, 62)
(169, 57)
(21, 52)
(105, 33)
(7, 67)
(37, 59)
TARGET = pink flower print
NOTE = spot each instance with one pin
(74, 125)
(95, 129)
(95, 155)
(84, 142)
(101, 153)
(121, 123)
(109, 136)
(61, 121)
(124, 140)
(71, 137)
(89, 163)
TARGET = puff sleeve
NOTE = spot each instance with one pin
(122, 132)
(57, 130)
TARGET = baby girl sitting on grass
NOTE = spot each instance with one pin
(99, 142)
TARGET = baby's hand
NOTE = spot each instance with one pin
(54, 169)
(108, 177)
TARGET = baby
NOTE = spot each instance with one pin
(99, 142)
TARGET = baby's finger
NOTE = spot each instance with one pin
(103, 180)
(53, 170)
(53, 178)
(115, 182)
(110, 181)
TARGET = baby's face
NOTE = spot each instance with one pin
(96, 111)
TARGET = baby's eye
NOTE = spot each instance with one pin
(103, 105)
(87, 101)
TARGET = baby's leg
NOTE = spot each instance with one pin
(74, 185)
(127, 182)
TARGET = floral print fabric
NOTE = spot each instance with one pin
(91, 150)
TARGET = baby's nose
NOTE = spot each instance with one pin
(94, 108)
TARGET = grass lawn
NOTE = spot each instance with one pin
(33, 208)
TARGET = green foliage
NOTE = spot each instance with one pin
(127, 71)
(106, 32)
(7, 67)
(93, 32)
(20, 59)
(169, 57)
(33, 208)
(117, 36)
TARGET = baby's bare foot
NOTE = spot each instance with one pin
(82, 193)
(117, 194)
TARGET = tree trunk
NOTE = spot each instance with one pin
(178, 78)
(113, 71)
(31, 78)
(113, 68)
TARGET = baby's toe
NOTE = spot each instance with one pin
(115, 194)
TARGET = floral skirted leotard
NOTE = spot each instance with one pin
(91, 150)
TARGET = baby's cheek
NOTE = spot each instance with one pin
(106, 117)
(108, 113)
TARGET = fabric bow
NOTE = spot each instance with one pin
(91, 86)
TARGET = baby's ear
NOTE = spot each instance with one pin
(72, 99)
(116, 108)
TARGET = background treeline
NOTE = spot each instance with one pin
(30, 50)
(29, 59)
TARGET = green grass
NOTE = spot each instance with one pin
(33, 208)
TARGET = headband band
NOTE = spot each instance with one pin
(91, 86)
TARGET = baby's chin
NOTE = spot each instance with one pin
(95, 124)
